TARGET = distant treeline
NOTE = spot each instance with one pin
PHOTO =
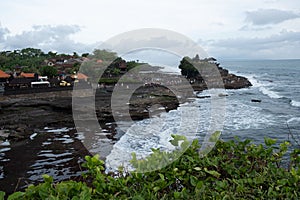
(31, 58)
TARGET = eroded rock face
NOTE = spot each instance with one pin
(210, 75)
(232, 81)
(21, 116)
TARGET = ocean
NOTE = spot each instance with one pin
(276, 84)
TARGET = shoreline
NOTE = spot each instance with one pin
(24, 114)
(21, 114)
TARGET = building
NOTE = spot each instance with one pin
(19, 83)
(63, 63)
(81, 76)
(27, 75)
(3, 77)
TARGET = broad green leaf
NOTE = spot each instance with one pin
(212, 172)
(16, 195)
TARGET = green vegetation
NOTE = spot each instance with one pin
(232, 170)
(49, 71)
(104, 55)
(29, 57)
(31, 60)
(133, 64)
(108, 81)
(187, 65)
(187, 68)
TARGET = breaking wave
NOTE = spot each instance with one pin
(295, 103)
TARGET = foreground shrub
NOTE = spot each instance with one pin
(232, 170)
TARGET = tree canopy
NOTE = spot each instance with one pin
(105, 55)
(187, 68)
(49, 71)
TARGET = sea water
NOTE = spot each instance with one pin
(276, 83)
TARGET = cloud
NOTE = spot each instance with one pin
(48, 38)
(269, 16)
(286, 44)
(255, 28)
(152, 38)
(3, 32)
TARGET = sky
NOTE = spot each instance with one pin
(231, 29)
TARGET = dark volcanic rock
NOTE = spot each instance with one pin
(230, 81)
(256, 100)
(21, 115)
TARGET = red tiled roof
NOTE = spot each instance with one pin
(27, 75)
(3, 74)
(82, 76)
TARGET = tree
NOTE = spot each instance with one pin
(76, 67)
(26, 69)
(49, 71)
(187, 68)
(85, 55)
(105, 55)
(116, 71)
(132, 64)
(3, 61)
(75, 55)
(52, 54)
(31, 52)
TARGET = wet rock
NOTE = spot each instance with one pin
(230, 81)
(4, 134)
(203, 97)
(24, 114)
(256, 100)
(20, 133)
(16, 136)
(21, 129)
(236, 82)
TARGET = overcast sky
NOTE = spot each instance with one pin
(231, 29)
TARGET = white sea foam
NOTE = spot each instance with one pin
(57, 130)
(32, 136)
(293, 119)
(253, 78)
(189, 120)
(212, 93)
(5, 143)
(270, 93)
(263, 86)
(156, 132)
(254, 81)
(241, 116)
(295, 103)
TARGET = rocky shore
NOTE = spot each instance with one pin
(21, 115)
